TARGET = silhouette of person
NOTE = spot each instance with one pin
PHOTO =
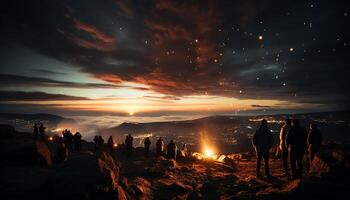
(314, 141)
(77, 141)
(186, 151)
(296, 141)
(41, 131)
(171, 150)
(128, 144)
(68, 138)
(110, 144)
(159, 147)
(35, 131)
(96, 142)
(147, 144)
(283, 144)
(263, 141)
(61, 154)
(101, 141)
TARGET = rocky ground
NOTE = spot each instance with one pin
(27, 170)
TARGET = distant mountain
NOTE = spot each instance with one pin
(25, 122)
(335, 125)
(174, 127)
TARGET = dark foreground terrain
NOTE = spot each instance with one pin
(27, 171)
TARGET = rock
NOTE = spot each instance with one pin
(121, 195)
(25, 151)
(141, 187)
(331, 165)
(87, 176)
(194, 195)
(179, 188)
(154, 172)
(229, 161)
(167, 163)
(123, 182)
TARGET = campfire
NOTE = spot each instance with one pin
(209, 153)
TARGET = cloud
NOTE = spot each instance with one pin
(9, 80)
(185, 48)
(35, 96)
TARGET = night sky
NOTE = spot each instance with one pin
(173, 56)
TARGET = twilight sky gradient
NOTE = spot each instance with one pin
(163, 57)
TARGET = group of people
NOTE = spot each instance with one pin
(99, 141)
(39, 131)
(70, 139)
(294, 141)
(171, 151)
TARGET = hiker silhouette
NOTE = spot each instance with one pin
(128, 144)
(96, 142)
(296, 141)
(35, 131)
(42, 131)
(100, 142)
(61, 154)
(77, 141)
(263, 141)
(159, 147)
(110, 144)
(283, 144)
(171, 150)
(147, 144)
(314, 141)
(68, 138)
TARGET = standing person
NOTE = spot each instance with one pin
(77, 141)
(263, 141)
(68, 138)
(296, 141)
(147, 144)
(96, 142)
(283, 144)
(160, 147)
(101, 141)
(41, 131)
(314, 141)
(128, 144)
(186, 151)
(35, 131)
(171, 150)
(61, 154)
(110, 143)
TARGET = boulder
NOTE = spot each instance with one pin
(167, 163)
(25, 152)
(331, 164)
(141, 188)
(88, 176)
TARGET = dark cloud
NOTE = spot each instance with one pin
(9, 80)
(181, 48)
(35, 96)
